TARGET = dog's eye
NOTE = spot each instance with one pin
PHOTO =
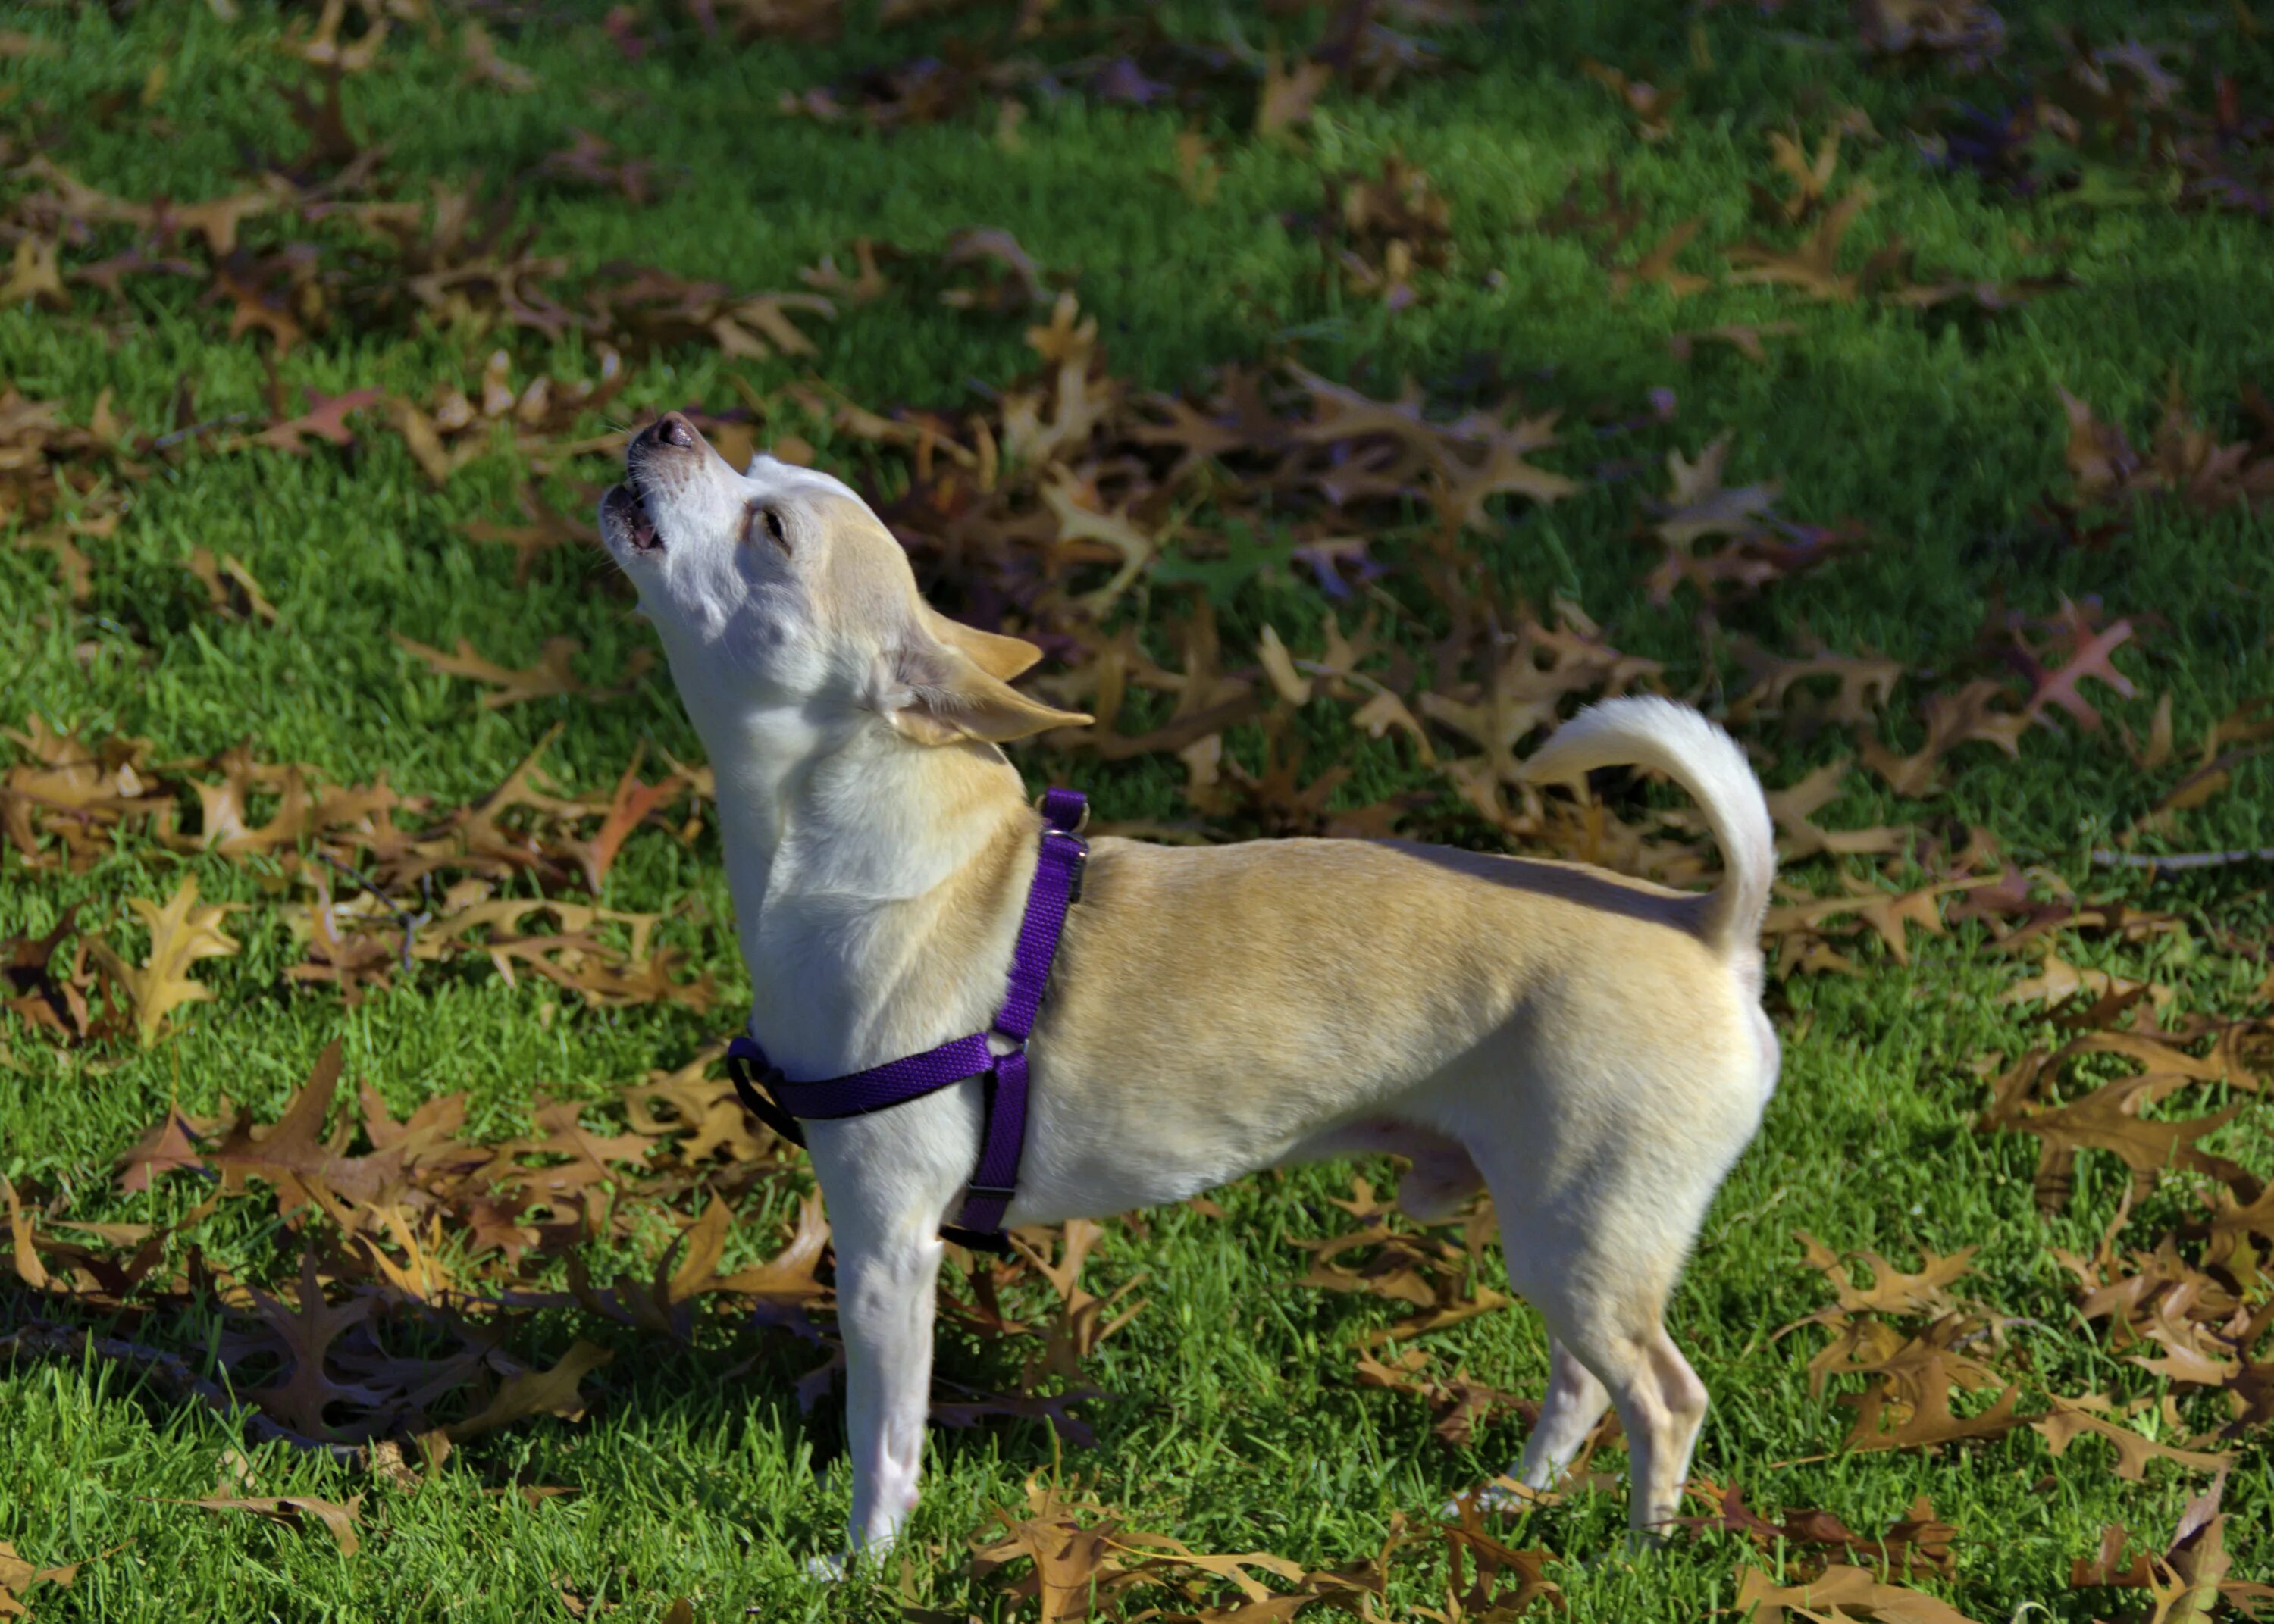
(759, 516)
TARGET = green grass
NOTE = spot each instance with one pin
(1234, 1422)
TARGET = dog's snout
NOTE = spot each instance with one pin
(672, 429)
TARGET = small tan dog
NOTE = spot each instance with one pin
(1589, 1048)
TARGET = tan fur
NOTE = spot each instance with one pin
(993, 653)
(1251, 991)
(1589, 1048)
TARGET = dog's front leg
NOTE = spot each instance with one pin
(885, 1287)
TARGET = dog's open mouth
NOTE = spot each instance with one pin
(624, 512)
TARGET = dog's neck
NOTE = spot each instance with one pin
(843, 846)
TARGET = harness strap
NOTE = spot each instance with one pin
(781, 1104)
(755, 1078)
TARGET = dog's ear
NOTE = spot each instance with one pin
(992, 653)
(937, 694)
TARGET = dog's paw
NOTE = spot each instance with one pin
(1500, 1497)
(828, 1569)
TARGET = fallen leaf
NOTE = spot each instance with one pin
(1653, 107)
(551, 1392)
(1840, 1592)
(1814, 266)
(2071, 1419)
(218, 575)
(1289, 94)
(1657, 266)
(1968, 32)
(182, 934)
(485, 68)
(325, 419)
(296, 1511)
(17, 1576)
(550, 678)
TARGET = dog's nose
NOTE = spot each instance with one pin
(673, 429)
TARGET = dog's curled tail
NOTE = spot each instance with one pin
(1677, 742)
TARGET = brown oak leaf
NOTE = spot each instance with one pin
(181, 935)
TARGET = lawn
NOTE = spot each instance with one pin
(1340, 395)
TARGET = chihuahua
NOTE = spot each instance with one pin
(1588, 1048)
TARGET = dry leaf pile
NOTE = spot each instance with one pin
(2176, 1285)
(369, 897)
(317, 245)
(2185, 462)
(1808, 210)
(1362, 47)
(426, 1256)
(2118, 123)
(1072, 1557)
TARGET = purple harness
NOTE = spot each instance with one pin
(781, 1104)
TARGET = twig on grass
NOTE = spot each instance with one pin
(409, 921)
(2183, 860)
(196, 429)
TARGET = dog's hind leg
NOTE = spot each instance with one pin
(1603, 1296)
(1681, 1395)
(1660, 1400)
(1576, 1401)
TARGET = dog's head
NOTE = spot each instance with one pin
(777, 587)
